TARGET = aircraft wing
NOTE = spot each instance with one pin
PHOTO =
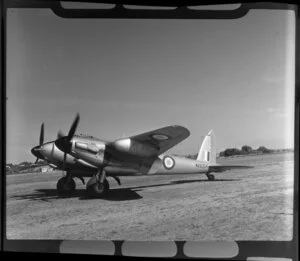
(221, 168)
(163, 138)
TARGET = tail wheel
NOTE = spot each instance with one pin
(98, 189)
(65, 185)
(210, 177)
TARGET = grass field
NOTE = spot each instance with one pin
(248, 204)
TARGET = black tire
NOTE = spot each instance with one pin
(210, 177)
(97, 189)
(64, 186)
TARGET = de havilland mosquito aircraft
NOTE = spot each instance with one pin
(86, 156)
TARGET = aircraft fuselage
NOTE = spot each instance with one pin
(87, 157)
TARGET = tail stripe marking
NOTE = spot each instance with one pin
(207, 156)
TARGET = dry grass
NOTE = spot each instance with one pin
(250, 204)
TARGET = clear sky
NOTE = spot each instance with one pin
(126, 77)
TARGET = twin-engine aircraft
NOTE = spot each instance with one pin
(86, 156)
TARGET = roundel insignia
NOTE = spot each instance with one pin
(168, 162)
(160, 137)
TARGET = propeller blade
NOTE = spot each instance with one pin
(64, 142)
(64, 162)
(42, 134)
(73, 127)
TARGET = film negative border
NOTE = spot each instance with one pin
(231, 250)
(246, 250)
(119, 11)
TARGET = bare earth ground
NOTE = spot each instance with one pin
(250, 204)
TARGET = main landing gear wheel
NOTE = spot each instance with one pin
(65, 185)
(210, 177)
(98, 189)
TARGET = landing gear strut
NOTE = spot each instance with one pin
(210, 177)
(98, 185)
(118, 180)
(66, 185)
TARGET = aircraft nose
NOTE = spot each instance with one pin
(36, 151)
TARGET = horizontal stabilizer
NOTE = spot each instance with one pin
(221, 168)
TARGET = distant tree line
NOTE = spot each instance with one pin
(191, 156)
(245, 150)
(23, 167)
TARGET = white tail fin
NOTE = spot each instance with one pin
(207, 152)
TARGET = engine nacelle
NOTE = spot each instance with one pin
(135, 148)
(92, 153)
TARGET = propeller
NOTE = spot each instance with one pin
(42, 134)
(41, 140)
(64, 142)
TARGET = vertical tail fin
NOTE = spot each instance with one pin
(207, 152)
